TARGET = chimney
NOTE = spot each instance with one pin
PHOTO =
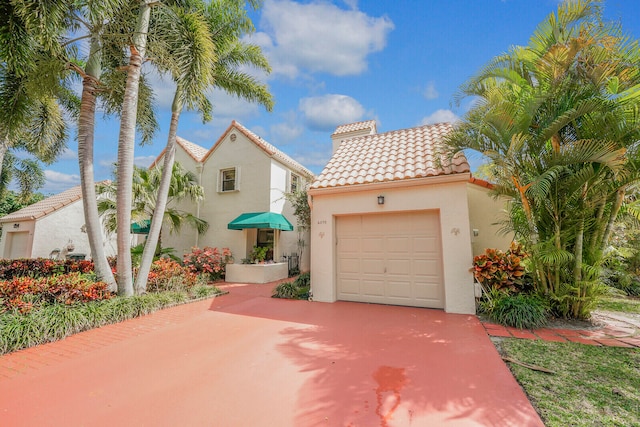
(352, 130)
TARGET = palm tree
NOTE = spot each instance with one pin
(183, 185)
(558, 120)
(205, 51)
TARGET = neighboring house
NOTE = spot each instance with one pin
(393, 220)
(242, 174)
(53, 227)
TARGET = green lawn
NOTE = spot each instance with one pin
(622, 304)
(592, 386)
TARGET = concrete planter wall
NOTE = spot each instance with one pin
(256, 273)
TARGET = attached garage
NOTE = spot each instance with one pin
(390, 221)
(391, 258)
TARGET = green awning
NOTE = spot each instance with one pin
(141, 227)
(260, 220)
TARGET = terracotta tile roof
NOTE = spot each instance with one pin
(391, 156)
(44, 207)
(481, 182)
(353, 127)
(265, 146)
(195, 151)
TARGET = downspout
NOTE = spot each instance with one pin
(199, 171)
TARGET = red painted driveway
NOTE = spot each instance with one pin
(245, 359)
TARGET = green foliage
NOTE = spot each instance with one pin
(562, 148)
(41, 267)
(501, 270)
(168, 275)
(301, 209)
(298, 289)
(136, 254)
(22, 294)
(258, 254)
(208, 261)
(576, 300)
(56, 321)
(520, 311)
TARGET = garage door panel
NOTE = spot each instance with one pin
(372, 266)
(398, 244)
(349, 245)
(398, 267)
(350, 286)
(390, 259)
(372, 244)
(370, 287)
(427, 245)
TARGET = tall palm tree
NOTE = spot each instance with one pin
(204, 50)
(183, 186)
(558, 119)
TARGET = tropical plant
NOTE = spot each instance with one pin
(524, 311)
(499, 270)
(258, 254)
(208, 261)
(558, 121)
(184, 185)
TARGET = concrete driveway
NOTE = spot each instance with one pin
(245, 359)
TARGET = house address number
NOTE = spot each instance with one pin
(322, 221)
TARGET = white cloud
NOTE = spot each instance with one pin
(56, 182)
(319, 37)
(326, 112)
(440, 116)
(68, 154)
(284, 132)
(143, 161)
(430, 92)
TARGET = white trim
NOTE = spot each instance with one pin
(410, 182)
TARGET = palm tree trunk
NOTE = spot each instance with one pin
(153, 239)
(617, 204)
(4, 147)
(86, 126)
(126, 141)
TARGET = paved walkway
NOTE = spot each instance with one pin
(618, 331)
(244, 359)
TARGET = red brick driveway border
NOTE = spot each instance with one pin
(616, 333)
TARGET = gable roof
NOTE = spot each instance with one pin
(194, 151)
(44, 207)
(354, 127)
(391, 156)
(269, 149)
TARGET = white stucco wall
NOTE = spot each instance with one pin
(449, 198)
(54, 231)
(485, 215)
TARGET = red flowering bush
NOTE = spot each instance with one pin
(41, 267)
(166, 274)
(209, 261)
(23, 293)
(501, 270)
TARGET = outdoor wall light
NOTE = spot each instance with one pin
(381, 199)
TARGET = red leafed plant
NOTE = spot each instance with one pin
(501, 270)
(23, 293)
(166, 274)
(209, 261)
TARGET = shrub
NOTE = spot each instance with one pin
(41, 267)
(167, 275)
(521, 311)
(209, 261)
(303, 280)
(286, 290)
(501, 270)
(23, 293)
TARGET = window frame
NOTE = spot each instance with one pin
(224, 181)
(294, 178)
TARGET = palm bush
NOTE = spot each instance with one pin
(520, 311)
(558, 121)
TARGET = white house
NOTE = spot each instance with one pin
(53, 227)
(244, 179)
(394, 221)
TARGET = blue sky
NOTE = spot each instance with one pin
(396, 61)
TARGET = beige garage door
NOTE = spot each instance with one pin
(390, 259)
